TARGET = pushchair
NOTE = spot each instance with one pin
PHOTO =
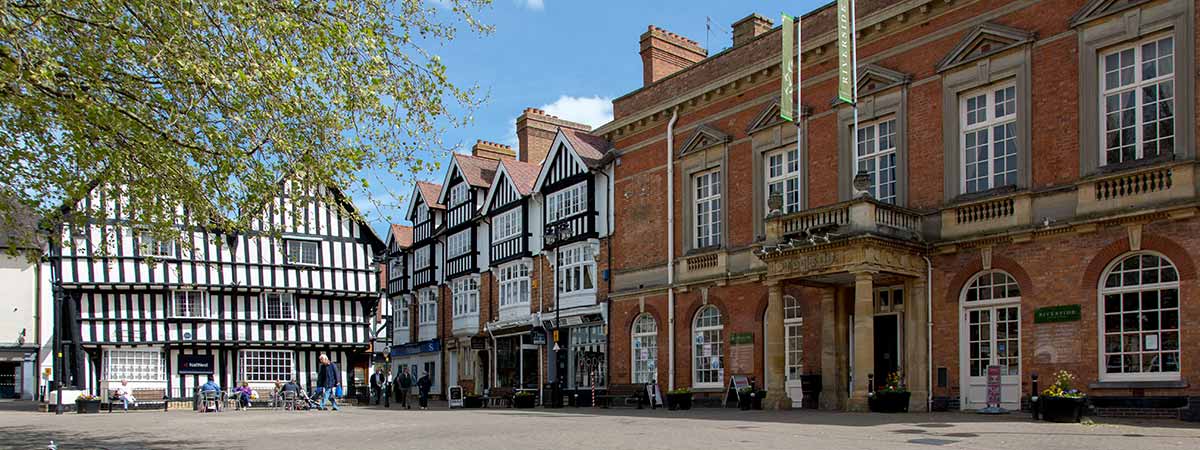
(305, 401)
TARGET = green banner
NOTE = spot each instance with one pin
(787, 90)
(1053, 314)
(846, 75)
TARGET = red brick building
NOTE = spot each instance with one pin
(1026, 199)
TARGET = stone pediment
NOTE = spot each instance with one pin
(1096, 9)
(769, 117)
(985, 40)
(873, 78)
(704, 137)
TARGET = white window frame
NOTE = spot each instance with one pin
(782, 168)
(566, 203)
(422, 213)
(644, 336)
(401, 313)
(287, 307)
(992, 124)
(427, 307)
(702, 335)
(395, 267)
(515, 284)
(1136, 86)
(458, 194)
(134, 365)
(458, 244)
(506, 225)
(576, 269)
(302, 252)
(706, 197)
(154, 247)
(871, 150)
(465, 296)
(793, 315)
(1141, 336)
(196, 308)
(266, 366)
(421, 257)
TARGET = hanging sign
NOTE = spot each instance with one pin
(846, 75)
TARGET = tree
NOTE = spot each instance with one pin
(209, 104)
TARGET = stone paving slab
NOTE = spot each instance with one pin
(584, 428)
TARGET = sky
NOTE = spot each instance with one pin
(569, 58)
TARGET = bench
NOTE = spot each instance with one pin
(500, 396)
(621, 394)
(146, 397)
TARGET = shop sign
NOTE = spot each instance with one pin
(429, 346)
(1054, 314)
(741, 339)
(538, 336)
(195, 364)
(478, 343)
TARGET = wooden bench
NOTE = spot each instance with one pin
(621, 394)
(145, 398)
(500, 396)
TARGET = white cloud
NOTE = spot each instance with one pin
(594, 111)
(535, 5)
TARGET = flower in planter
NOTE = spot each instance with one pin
(679, 391)
(523, 394)
(88, 398)
(1062, 386)
(895, 383)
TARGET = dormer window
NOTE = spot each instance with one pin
(422, 213)
(566, 203)
(459, 194)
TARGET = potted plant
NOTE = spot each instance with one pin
(1060, 402)
(523, 399)
(679, 399)
(744, 398)
(472, 401)
(87, 404)
(892, 397)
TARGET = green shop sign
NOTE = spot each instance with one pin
(741, 339)
(1053, 314)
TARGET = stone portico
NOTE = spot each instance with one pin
(867, 259)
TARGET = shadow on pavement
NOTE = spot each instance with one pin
(31, 438)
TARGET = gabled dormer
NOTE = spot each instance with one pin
(466, 184)
(399, 241)
(507, 208)
(567, 183)
(425, 212)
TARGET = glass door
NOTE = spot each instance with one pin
(993, 336)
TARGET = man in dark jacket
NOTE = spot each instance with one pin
(328, 379)
(403, 385)
(423, 385)
(377, 381)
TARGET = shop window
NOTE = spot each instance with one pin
(265, 365)
(1139, 300)
(708, 365)
(134, 365)
(644, 340)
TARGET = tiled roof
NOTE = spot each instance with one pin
(403, 234)
(478, 171)
(429, 192)
(523, 175)
(589, 147)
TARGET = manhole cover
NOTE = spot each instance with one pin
(928, 441)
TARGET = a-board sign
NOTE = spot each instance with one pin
(734, 391)
(993, 386)
(456, 396)
(654, 394)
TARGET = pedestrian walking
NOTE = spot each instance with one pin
(328, 380)
(403, 384)
(423, 385)
(377, 382)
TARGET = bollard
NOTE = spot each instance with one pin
(870, 383)
(1033, 397)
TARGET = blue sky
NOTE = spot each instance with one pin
(569, 57)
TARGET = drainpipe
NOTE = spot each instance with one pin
(929, 333)
(671, 247)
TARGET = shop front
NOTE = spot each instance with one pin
(581, 361)
(420, 358)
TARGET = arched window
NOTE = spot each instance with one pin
(645, 349)
(990, 336)
(1139, 327)
(993, 285)
(708, 364)
(793, 326)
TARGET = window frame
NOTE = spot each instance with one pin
(264, 300)
(566, 203)
(422, 255)
(877, 154)
(158, 374)
(784, 176)
(711, 217)
(698, 332)
(464, 294)
(303, 245)
(459, 194)
(1136, 86)
(1102, 313)
(510, 222)
(150, 246)
(514, 283)
(204, 301)
(642, 371)
(263, 355)
(989, 126)
(459, 244)
(575, 262)
(427, 307)
(401, 313)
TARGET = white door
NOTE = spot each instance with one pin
(992, 336)
(793, 339)
(452, 371)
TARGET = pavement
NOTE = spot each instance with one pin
(373, 427)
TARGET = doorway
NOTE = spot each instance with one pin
(990, 336)
(887, 347)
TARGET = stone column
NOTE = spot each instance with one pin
(916, 347)
(777, 397)
(831, 375)
(864, 338)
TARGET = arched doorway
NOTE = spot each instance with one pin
(990, 335)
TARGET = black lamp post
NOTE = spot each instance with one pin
(554, 236)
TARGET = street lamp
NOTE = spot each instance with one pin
(554, 235)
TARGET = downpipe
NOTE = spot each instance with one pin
(671, 247)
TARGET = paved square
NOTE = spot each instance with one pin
(376, 428)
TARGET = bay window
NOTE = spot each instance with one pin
(514, 284)
(576, 269)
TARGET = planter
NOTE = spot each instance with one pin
(757, 401)
(1061, 409)
(889, 402)
(87, 406)
(744, 402)
(523, 401)
(679, 401)
(472, 402)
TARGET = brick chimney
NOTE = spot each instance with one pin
(747, 29)
(535, 133)
(492, 150)
(664, 53)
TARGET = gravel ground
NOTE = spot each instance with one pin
(439, 428)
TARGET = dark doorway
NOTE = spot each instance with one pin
(887, 347)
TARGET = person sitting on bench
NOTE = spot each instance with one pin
(125, 395)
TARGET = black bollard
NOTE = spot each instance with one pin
(1033, 398)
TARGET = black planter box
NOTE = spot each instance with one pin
(87, 406)
(679, 401)
(1061, 409)
(523, 401)
(889, 402)
(472, 402)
